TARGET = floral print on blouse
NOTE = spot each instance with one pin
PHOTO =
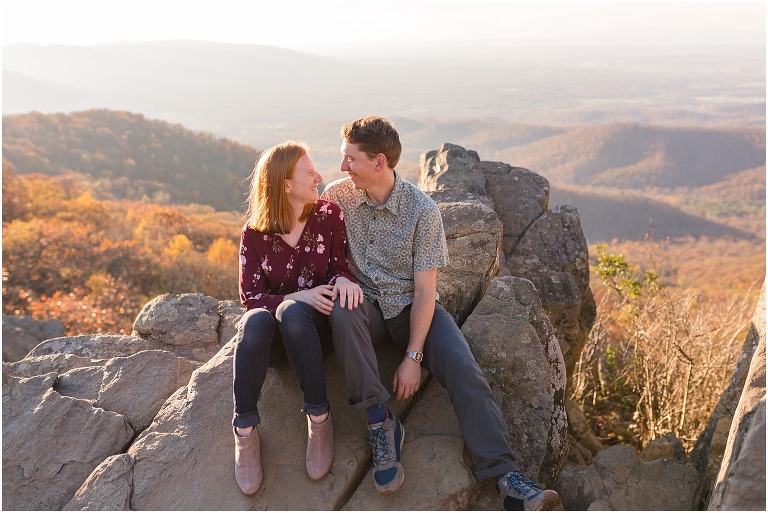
(270, 268)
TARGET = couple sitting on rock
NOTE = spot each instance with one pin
(312, 285)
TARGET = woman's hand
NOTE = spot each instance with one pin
(350, 294)
(317, 297)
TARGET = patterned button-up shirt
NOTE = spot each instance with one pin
(387, 244)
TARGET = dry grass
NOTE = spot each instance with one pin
(658, 357)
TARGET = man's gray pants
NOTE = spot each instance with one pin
(446, 356)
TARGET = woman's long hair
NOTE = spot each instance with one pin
(268, 208)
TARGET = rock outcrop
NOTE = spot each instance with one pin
(64, 414)
(184, 459)
(666, 447)
(707, 454)
(544, 246)
(21, 334)
(51, 442)
(187, 324)
(740, 484)
(515, 346)
(473, 235)
(618, 480)
(581, 431)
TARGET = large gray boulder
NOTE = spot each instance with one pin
(51, 442)
(707, 453)
(473, 235)
(230, 313)
(618, 480)
(96, 406)
(21, 334)
(185, 459)
(515, 346)
(581, 431)
(192, 326)
(552, 253)
(187, 322)
(546, 247)
(740, 484)
(667, 446)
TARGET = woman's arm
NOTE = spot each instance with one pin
(255, 267)
(345, 285)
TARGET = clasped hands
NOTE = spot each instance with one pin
(322, 297)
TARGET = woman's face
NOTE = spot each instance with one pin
(301, 187)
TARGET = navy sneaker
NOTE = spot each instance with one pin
(521, 494)
(386, 441)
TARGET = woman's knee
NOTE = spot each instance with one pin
(291, 311)
(256, 329)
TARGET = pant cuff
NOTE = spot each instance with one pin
(362, 405)
(319, 409)
(245, 420)
(497, 471)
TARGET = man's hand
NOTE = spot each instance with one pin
(407, 379)
(350, 294)
(317, 297)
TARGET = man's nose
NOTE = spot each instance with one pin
(344, 166)
(319, 178)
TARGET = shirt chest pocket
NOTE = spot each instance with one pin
(395, 251)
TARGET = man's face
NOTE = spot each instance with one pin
(360, 168)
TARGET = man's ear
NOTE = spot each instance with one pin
(381, 162)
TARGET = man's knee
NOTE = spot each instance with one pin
(344, 318)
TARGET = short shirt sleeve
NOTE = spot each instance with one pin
(430, 250)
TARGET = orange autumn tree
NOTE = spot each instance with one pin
(93, 264)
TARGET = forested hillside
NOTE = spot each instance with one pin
(639, 157)
(93, 264)
(125, 156)
(628, 216)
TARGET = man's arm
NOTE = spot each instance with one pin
(408, 375)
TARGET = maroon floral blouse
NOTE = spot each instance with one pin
(270, 268)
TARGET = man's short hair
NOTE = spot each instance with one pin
(374, 135)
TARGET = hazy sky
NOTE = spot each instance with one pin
(327, 27)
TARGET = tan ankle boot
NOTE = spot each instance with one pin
(319, 447)
(248, 461)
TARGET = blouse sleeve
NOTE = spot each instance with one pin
(337, 266)
(254, 292)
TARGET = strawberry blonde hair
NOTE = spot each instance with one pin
(268, 208)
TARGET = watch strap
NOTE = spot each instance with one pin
(416, 355)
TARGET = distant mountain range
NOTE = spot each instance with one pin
(261, 95)
(609, 172)
(123, 155)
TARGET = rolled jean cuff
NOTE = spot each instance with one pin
(245, 420)
(497, 471)
(379, 399)
(320, 409)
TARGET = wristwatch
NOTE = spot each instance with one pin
(416, 355)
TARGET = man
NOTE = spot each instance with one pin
(396, 243)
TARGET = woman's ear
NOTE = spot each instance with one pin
(287, 187)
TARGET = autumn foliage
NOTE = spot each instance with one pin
(93, 264)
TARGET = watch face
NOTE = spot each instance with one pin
(416, 355)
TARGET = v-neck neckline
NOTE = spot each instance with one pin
(301, 236)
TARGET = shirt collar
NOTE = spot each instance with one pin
(393, 203)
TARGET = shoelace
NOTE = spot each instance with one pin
(522, 484)
(377, 441)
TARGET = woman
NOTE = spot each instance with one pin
(292, 266)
